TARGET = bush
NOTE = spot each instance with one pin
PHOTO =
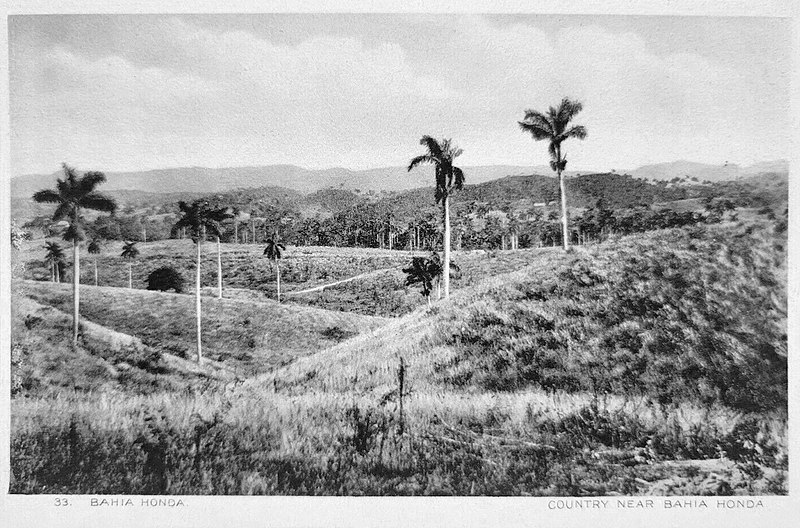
(165, 278)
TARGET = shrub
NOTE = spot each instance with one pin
(165, 278)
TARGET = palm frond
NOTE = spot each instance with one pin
(94, 247)
(425, 158)
(537, 130)
(64, 210)
(459, 178)
(568, 109)
(129, 250)
(47, 196)
(432, 145)
(69, 172)
(578, 132)
(90, 181)
(75, 232)
(98, 202)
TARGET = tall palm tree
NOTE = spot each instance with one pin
(94, 247)
(553, 126)
(274, 252)
(130, 252)
(73, 194)
(55, 259)
(448, 177)
(199, 218)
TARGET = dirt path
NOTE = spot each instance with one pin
(336, 283)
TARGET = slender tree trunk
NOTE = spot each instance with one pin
(446, 265)
(235, 232)
(52, 272)
(130, 275)
(219, 270)
(95, 272)
(76, 300)
(254, 230)
(563, 191)
(278, 266)
(197, 307)
(144, 234)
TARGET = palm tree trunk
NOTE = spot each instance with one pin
(446, 264)
(563, 191)
(235, 232)
(95, 272)
(278, 266)
(197, 306)
(130, 275)
(219, 271)
(76, 279)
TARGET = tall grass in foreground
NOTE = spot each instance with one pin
(247, 442)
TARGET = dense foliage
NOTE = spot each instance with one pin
(165, 278)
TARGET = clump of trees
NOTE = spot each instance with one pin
(165, 278)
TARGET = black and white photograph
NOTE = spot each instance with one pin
(301, 253)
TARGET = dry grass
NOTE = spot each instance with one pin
(247, 336)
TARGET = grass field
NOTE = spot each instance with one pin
(247, 336)
(650, 364)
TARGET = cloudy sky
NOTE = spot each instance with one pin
(126, 92)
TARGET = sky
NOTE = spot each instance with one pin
(137, 92)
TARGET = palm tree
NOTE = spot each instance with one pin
(94, 247)
(419, 272)
(448, 177)
(199, 218)
(437, 271)
(273, 251)
(130, 252)
(73, 194)
(55, 259)
(554, 127)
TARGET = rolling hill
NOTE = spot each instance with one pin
(704, 171)
(214, 180)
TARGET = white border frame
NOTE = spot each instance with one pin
(39, 510)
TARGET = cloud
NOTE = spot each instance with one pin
(170, 92)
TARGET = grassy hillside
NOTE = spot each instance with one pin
(246, 336)
(44, 360)
(677, 315)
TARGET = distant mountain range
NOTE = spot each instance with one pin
(701, 171)
(209, 180)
